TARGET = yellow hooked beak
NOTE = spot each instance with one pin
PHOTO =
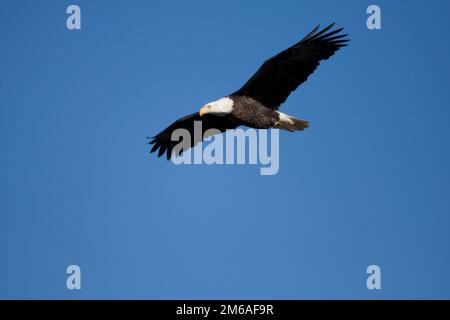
(202, 111)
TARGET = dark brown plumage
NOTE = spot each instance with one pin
(283, 73)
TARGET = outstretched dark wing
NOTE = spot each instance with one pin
(164, 143)
(283, 73)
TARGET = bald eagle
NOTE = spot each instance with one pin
(256, 104)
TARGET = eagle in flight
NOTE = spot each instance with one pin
(256, 104)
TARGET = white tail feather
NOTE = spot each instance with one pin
(290, 123)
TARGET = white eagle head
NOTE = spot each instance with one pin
(219, 107)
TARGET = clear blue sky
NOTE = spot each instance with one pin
(367, 183)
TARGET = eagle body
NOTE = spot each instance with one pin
(257, 102)
(243, 110)
(252, 113)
